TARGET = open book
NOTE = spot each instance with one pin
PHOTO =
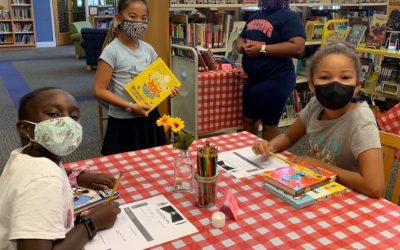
(152, 85)
(85, 198)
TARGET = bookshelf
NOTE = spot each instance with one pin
(17, 24)
(101, 22)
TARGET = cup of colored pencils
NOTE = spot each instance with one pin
(206, 176)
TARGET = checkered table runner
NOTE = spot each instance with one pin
(220, 100)
(390, 122)
(349, 221)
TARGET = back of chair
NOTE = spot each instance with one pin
(390, 143)
(92, 43)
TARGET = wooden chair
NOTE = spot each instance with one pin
(391, 142)
(102, 117)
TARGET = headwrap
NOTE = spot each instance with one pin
(273, 4)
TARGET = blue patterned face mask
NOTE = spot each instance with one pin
(273, 4)
(61, 136)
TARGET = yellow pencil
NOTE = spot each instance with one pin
(115, 187)
(281, 158)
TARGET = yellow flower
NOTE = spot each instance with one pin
(176, 124)
(164, 121)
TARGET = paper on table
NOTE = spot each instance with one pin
(243, 162)
(143, 224)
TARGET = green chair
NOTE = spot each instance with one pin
(76, 37)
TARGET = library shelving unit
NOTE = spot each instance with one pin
(363, 49)
(17, 27)
(102, 22)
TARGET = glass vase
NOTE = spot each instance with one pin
(183, 172)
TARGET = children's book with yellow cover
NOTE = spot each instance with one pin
(153, 84)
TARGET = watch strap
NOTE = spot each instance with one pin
(88, 223)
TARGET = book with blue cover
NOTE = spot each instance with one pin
(324, 192)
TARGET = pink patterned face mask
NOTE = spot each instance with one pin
(273, 4)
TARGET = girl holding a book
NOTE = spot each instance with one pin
(269, 40)
(36, 205)
(342, 133)
(130, 126)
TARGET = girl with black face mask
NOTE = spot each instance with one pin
(343, 136)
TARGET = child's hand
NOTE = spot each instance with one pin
(252, 50)
(139, 109)
(175, 91)
(310, 159)
(262, 147)
(95, 181)
(104, 216)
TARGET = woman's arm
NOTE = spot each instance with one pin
(370, 181)
(100, 90)
(294, 47)
(282, 141)
(240, 42)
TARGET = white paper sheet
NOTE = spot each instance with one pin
(243, 162)
(143, 224)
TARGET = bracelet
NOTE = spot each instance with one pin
(88, 223)
(72, 177)
(129, 108)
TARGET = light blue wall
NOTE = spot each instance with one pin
(43, 21)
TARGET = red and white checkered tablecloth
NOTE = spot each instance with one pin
(349, 221)
(390, 122)
(220, 100)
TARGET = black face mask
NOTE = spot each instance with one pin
(334, 95)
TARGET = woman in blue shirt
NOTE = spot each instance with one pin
(269, 40)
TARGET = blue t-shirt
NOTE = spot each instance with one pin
(270, 27)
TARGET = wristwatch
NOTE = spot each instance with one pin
(87, 221)
(263, 50)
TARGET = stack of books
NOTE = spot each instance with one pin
(302, 185)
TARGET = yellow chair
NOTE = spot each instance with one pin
(391, 142)
(102, 117)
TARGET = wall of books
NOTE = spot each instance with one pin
(16, 23)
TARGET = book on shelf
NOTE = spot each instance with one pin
(356, 34)
(210, 32)
(153, 85)
(231, 53)
(299, 178)
(339, 34)
(86, 198)
(393, 23)
(377, 31)
(324, 192)
(314, 30)
(208, 58)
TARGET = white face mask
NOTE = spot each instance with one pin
(61, 136)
